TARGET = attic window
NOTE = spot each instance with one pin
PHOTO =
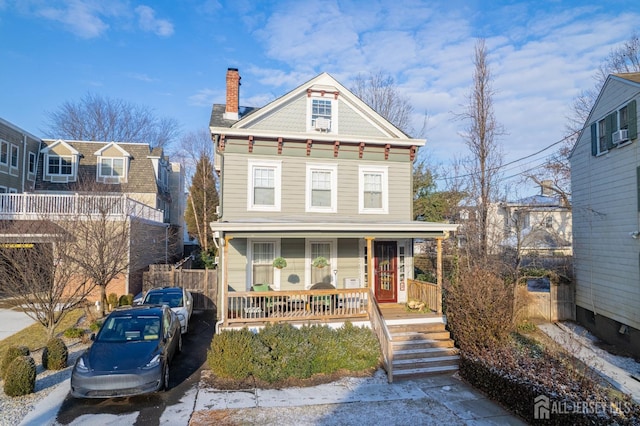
(61, 165)
(111, 170)
(321, 114)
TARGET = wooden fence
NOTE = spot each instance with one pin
(426, 292)
(557, 304)
(202, 283)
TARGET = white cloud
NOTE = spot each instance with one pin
(83, 18)
(148, 22)
(206, 97)
(142, 77)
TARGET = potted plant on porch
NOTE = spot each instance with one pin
(279, 262)
(320, 262)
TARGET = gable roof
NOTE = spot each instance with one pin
(322, 82)
(631, 80)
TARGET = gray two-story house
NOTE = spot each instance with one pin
(315, 174)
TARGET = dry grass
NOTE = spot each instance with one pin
(35, 336)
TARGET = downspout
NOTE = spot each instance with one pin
(223, 279)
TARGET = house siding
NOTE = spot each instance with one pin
(17, 178)
(605, 212)
(235, 188)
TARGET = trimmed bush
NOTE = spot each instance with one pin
(12, 353)
(280, 352)
(21, 376)
(231, 354)
(73, 333)
(125, 300)
(55, 355)
(112, 300)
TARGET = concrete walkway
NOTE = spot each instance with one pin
(12, 321)
(442, 399)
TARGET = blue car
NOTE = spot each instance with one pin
(130, 355)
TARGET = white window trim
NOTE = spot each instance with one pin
(13, 147)
(307, 255)
(276, 253)
(110, 178)
(58, 176)
(2, 144)
(328, 96)
(277, 166)
(384, 171)
(333, 170)
(32, 155)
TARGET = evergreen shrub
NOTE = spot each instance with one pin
(21, 376)
(55, 355)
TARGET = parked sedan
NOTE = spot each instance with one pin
(178, 299)
(130, 354)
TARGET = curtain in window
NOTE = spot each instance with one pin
(262, 262)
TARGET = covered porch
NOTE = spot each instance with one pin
(369, 265)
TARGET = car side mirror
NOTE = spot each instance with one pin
(92, 337)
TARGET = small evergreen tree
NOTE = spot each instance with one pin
(201, 204)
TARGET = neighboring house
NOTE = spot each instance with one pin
(539, 225)
(314, 173)
(147, 191)
(18, 158)
(605, 179)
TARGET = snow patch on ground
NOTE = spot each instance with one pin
(618, 370)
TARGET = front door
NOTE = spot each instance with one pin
(385, 271)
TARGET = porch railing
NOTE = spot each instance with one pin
(429, 293)
(302, 305)
(38, 206)
(379, 327)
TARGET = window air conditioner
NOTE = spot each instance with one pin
(620, 136)
(323, 123)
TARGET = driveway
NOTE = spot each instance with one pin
(157, 408)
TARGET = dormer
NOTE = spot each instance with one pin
(112, 164)
(60, 162)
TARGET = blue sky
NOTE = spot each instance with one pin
(172, 56)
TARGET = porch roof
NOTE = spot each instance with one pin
(338, 229)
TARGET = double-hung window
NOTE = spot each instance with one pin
(32, 162)
(322, 188)
(4, 152)
(61, 165)
(262, 255)
(321, 248)
(14, 156)
(373, 190)
(264, 186)
(322, 112)
(618, 128)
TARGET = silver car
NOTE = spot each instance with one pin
(178, 299)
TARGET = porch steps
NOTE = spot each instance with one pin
(421, 349)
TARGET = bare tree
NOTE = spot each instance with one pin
(191, 148)
(201, 204)
(98, 118)
(379, 91)
(486, 156)
(38, 271)
(622, 59)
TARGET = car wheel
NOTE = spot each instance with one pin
(179, 344)
(165, 377)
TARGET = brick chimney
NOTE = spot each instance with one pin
(233, 94)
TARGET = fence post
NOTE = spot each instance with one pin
(439, 276)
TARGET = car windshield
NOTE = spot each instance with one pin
(130, 328)
(171, 299)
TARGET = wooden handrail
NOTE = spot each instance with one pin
(379, 327)
(423, 291)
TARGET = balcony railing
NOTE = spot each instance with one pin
(302, 305)
(59, 206)
(429, 293)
